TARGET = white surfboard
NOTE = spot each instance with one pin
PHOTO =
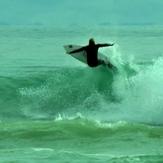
(82, 56)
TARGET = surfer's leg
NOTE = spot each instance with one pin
(109, 64)
(101, 62)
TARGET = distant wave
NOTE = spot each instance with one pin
(75, 127)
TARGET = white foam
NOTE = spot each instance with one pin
(42, 149)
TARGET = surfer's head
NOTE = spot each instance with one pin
(91, 41)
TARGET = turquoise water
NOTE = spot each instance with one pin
(56, 109)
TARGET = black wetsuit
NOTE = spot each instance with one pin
(92, 54)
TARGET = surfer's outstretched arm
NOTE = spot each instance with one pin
(104, 45)
(78, 50)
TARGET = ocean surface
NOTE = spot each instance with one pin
(53, 108)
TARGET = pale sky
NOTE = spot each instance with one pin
(85, 12)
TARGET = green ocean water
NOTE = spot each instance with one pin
(55, 109)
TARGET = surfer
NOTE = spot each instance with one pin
(92, 53)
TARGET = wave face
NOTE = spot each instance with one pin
(130, 94)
